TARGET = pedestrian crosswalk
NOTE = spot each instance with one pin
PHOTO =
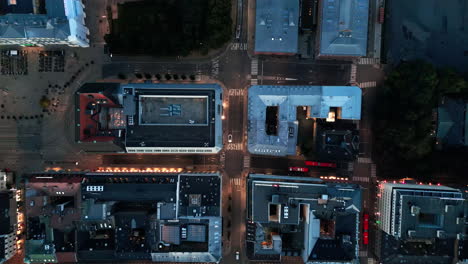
(369, 61)
(234, 146)
(215, 67)
(362, 253)
(254, 67)
(373, 171)
(353, 73)
(246, 161)
(236, 181)
(361, 179)
(239, 46)
(368, 84)
(364, 160)
(236, 92)
(253, 81)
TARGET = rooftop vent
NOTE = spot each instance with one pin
(441, 234)
(411, 233)
(415, 210)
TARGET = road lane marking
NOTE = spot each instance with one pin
(353, 73)
(234, 146)
(236, 92)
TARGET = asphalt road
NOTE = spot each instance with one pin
(293, 72)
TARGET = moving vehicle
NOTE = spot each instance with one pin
(365, 238)
(320, 164)
(366, 222)
(365, 227)
(230, 138)
(237, 255)
(300, 169)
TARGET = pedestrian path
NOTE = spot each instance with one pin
(234, 146)
(239, 46)
(236, 92)
(253, 81)
(215, 67)
(369, 61)
(236, 181)
(254, 67)
(368, 84)
(361, 179)
(353, 73)
(362, 253)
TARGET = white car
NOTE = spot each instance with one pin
(237, 255)
(230, 138)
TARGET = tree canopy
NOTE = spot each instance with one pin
(404, 122)
(170, 27)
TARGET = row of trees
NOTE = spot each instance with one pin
(404, 124)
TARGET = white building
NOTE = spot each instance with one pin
(412, 211)
(8, 225)
(63, 23)
(3, 181)
(9, 244)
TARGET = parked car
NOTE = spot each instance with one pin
(230, 138)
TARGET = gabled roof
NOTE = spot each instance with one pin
(452, 122)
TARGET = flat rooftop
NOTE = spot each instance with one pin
(153, 118)
(319, 99)
(173, 110)
(276, 26)
(343, 29)
(426, 211)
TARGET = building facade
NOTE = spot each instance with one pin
(36, 23)
(7, 225)
(413, 211)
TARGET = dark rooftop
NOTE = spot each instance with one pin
(292, 216)
(151, 117)
(397, 251)
(199, 134)
(7, 212)
(21, 7)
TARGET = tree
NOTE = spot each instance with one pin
(404, 121)
(44, 102)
